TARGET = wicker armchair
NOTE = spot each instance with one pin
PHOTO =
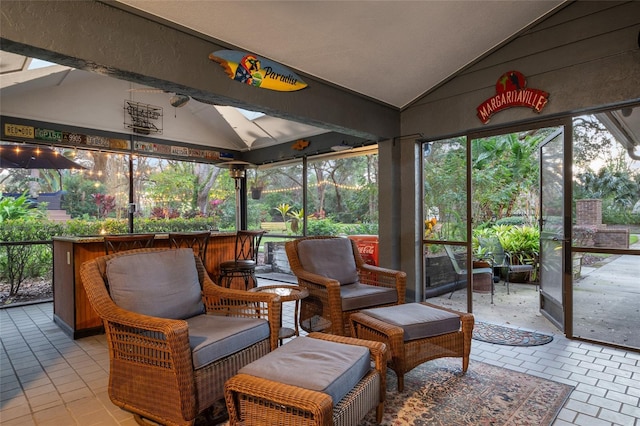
(152, 359)
(324, 308)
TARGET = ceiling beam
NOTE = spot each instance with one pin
(98, 37)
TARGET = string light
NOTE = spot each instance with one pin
(314, 185)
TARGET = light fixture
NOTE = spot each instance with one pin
(178, 100)
(342, 147)
(237, 170)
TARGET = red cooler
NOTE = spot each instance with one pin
(368, 247)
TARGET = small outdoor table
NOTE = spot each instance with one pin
(287, 293)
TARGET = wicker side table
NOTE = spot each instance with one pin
(287, 293)
(406, 355)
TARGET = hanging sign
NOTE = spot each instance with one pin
(511, 91)
(256, 71)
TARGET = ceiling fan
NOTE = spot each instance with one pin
(177, 100)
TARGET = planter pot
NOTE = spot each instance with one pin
(256, 193)
(482, 283)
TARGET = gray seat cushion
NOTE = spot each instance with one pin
(213, 337)
(358, 296)
(331, 258)
(161, 284)
(418, 321)
(328, 367)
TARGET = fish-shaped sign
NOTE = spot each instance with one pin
(256, 71)
(300, 144)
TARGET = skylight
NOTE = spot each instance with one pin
(39, 63)
(250, 115)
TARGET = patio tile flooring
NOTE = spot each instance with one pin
(49, 379)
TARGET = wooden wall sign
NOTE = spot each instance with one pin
(512, 91)
(256, 71)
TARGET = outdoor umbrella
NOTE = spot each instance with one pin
(34, 157)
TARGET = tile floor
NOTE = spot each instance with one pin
(49, 379)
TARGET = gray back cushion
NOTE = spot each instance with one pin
(331, 258)
(161, 284)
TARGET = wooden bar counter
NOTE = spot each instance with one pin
(71, 309)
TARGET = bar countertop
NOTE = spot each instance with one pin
(100, 238)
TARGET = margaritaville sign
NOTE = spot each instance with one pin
(511, 91)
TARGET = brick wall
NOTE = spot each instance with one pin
(612, 238)
(589, 212)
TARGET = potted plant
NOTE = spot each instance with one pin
(522, 244)
(256, 187)
(297, 216)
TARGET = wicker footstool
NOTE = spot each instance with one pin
(299, 383)
(416, 333)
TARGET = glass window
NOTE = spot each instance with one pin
(275, 198)
(342, 196)
(173, 195)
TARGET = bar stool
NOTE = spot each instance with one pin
(116, 243)
(198, 241)
(244, 264)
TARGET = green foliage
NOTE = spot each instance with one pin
(511, 220)
(78, 200)
(16, 208)
(174, 225)
(322, 227)
(329, 227)
(283, 209)
(519, 239)
(22, 261)
(514, 239)
(176, 187)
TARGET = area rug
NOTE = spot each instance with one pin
(501, 335)
(436, 393)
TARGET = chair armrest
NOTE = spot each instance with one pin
(316, 279)
(383, 277)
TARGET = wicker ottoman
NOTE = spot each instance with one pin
(416, 333)
(298, 383)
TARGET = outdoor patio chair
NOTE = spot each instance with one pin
(462, 272)
(504, 261)
(339, 282)
(170, 356)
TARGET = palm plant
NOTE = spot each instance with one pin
(283, 209)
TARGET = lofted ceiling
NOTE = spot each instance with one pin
(390, 51)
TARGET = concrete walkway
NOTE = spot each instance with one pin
(606, 303)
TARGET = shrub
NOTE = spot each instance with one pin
(322, 227)
(511, 220)
(21, 261)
